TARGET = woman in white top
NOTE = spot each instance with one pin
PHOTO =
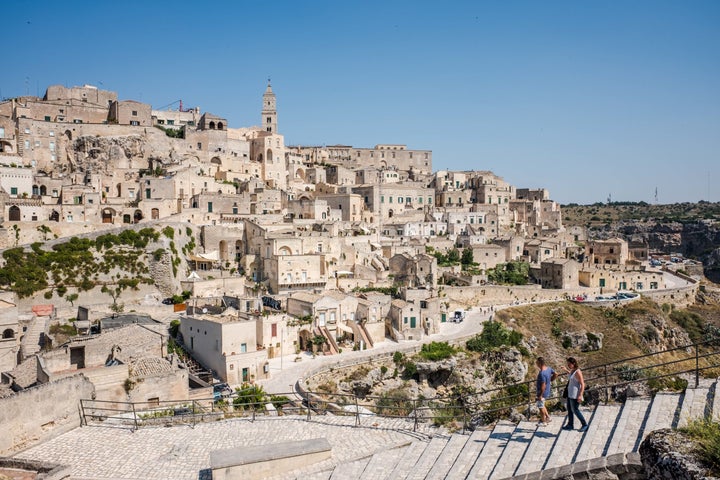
(575, 389)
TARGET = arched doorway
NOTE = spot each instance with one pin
(238, 250)
(14, 214)
(212, 125)
(108, 215)
(269, 155)
(6, 147)
(43, 190)
(8, 333)
(305, 337)
(137, 216)
(54, 216)
(119, 190)
(220, 125)
(390, 213)
(155, 214)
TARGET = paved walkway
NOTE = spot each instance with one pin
(183, 452)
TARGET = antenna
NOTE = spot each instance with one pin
(656, 196)
(609, 199)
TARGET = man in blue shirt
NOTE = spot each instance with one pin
(542, 389)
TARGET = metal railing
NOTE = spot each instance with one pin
(461, 409)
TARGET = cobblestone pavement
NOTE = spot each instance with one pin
(183, 452)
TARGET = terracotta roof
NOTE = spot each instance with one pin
(43, 310)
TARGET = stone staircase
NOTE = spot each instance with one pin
(33, 339)
(507, 449)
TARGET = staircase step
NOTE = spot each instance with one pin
(629, 431)
(408, 460)
(566, 444)
(600, 430)
(350, 470)
(715, 411)
(382, 463)
(323, 475)
(515, 449)
(540, 446)
(468, 455)
(663, 411)
(694, 405)
(493, 449)
(447, 457)
(428, 458)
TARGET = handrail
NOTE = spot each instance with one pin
(487, 404)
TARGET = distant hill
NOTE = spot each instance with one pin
(603, 213)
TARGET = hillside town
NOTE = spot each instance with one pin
(285, 249)
(156, 256)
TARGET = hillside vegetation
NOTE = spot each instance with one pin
(603, 213)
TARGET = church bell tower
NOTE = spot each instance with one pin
(269, 110)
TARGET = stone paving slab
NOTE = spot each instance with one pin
(567, 443)
(183, 452)
(350, 470)
(515, 449)
(663, 411)
(694, 405)
(598, 435)
(448, 456)
(406, 463)
(493, 449)
(382, 463)
(540, 446)
(468, 455)
(630, 426)
(428, 458)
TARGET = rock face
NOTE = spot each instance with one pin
(659, 336)
(585, 341)
(667, 454)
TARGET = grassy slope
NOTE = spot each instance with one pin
(622, 329)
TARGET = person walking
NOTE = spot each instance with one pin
(575, 390)
(542, 389)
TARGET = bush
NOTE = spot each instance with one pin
(707, 435)
(692, 323)
(249, 396)
(394, 403)
(409, 370)
(435, 351)
(494, 335)
(398, 357)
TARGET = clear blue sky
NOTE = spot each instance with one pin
(585, 98)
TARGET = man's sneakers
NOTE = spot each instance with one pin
(583, 428)
(567, 427)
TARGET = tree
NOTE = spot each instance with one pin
(453, 256)
(71, 298)
(467, 257)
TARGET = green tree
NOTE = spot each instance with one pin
(467, 257)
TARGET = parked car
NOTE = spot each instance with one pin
(221, 390)
(168, 301)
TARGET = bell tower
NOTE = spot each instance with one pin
(269, 110)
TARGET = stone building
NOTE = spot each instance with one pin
(613, 251)
(559, 273)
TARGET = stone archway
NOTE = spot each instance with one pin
(137, 216)
(14, 214)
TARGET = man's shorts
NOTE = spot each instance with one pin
(540, 404)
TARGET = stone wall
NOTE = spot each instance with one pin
(37, 414)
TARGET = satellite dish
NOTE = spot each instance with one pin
(204, 310)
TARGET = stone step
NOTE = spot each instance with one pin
(323, 475)
(406, 463)
(663, 412)
(468, 455)
(448, 457)
(428, 458)
(694, 405)
(540, 446)
(350, 470)
(515, 449)
(493, 449)
(629, 431)
(715, 409)
(567, 443)
(382, 463)
(600, 431)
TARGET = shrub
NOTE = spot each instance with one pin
(494, 335)
(566, 342)
(691, 322)
(395, 402)
(398, 357)
(409, 370)
(707, 435)
(249, 396)
(435, 351)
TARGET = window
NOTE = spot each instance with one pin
(382, 199)
(134, 113)
(2, 132)
(52, 146)
(47, 118)
(408, 200)
(13, 190)
(332, 317)
(243, 348)
(210, 207)
(273, 330)
(602, 282)
(27, 130)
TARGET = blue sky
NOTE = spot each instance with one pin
(587, 99)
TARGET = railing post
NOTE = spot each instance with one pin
(607, 388)
(193, 414)
(357, 412)
(530, 400)
(307, 400)
(464, 407)
(697, 366)
(83, 419)
(134, 415)
(415, 407)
